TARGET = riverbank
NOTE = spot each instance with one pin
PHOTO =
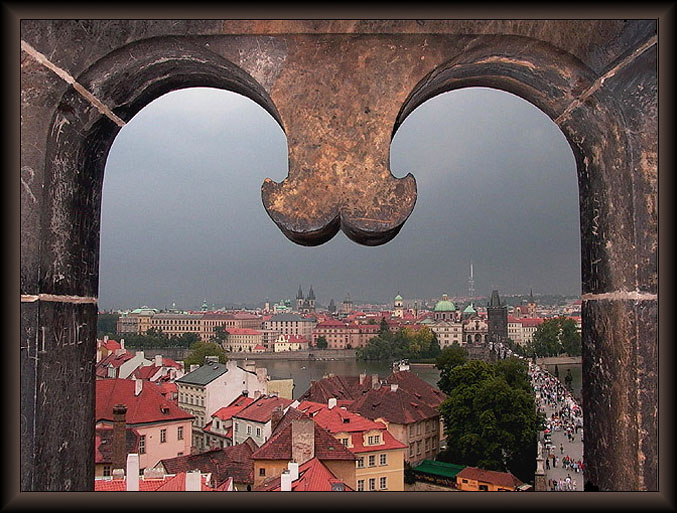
(179, 354)
(559, 360)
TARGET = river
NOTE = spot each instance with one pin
(303, 372)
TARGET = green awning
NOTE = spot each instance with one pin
(439, 468)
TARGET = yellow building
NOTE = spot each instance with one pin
(380, 457)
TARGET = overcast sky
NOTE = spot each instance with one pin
(182, 217)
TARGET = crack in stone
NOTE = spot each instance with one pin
(63, 74)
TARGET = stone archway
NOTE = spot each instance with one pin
(339, 90)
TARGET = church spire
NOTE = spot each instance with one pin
(299, 294)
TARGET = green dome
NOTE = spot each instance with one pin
(444, 305)
(398, 298)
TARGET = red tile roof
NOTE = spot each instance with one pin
(148, 406)
(239, 404)
(504, 479)
(262, 408)
(417, 386)
(331, 323)
(170, 483)
(398, 406)
(279, 446)
(343, 388)
(235, 462)
(314, 476)
(243, 331)
(339, 420)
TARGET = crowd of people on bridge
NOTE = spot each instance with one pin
(566, 416)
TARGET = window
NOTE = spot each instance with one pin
(179, 433)
(372, 460)
(258, 432)
(344, 441)
(382, 483)
(163, 436)
(262, 472)
(483, 488)
(411, 449)
(411, 430)
(383, 459)
(106, 471)
(360, 462)
(249, 430)
(418, 447)
(360, 485)
(372, 484)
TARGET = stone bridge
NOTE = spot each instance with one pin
(340, 90)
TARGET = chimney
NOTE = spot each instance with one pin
(105, 339)
(119, 352)
(194, 366)
(393, 387)
(374, 381)
(122, 343)
(119, 434)
(293, 470)
(285, 481)
(331, 403)
(193, 481)
(138, 387)
(139, 355)
(98, 355)
(303, 440)
(275, 417)
(158, 360)
(132, 472)
(363, 376)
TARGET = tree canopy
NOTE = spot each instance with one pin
(554, 337)
(154, 339)
(450, 357)
(490, 416)
(199, 350)
(405, 343)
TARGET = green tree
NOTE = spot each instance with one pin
(490, 418)
(107, 325)
(554, 337)
(450, 357)
(383, 327)
(220, 335)
(321, 342)
(199, 350)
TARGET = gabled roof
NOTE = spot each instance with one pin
(314, 476)
(339, 420)
(235, 462)
(262, 408)
(397, 406)
(504, 479)
(279, 446)
(204, 375)
(149, 406)
(233, 408)
(342, 388)
(417, 386)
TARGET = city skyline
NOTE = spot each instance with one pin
(182, 219)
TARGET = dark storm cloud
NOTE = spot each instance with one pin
(182, 218)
